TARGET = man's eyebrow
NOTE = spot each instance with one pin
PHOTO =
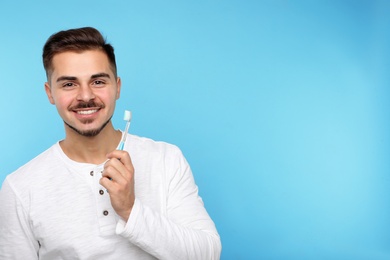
(100, 75)
(94, 76)
(63, 78)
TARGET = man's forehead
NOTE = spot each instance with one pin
(80, 64)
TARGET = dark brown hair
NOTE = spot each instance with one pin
(77, 40)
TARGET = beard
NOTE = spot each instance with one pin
(91, 132)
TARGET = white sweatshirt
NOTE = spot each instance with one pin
(54, 208)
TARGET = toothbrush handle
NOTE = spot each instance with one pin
(122, 144)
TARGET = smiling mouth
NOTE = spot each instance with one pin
(86, 108)
(87, 112)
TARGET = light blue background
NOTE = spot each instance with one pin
(281, 107)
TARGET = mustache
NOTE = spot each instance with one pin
(88, 104)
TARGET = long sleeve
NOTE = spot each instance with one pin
(16, 239)
(185, 232)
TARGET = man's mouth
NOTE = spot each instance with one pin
(86, 112)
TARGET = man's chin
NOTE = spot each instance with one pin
(89, 132)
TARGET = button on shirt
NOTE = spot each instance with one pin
(103, 205)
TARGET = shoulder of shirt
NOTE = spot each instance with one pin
(38, 164)
(144, 143)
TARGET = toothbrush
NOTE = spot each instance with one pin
(127, 118)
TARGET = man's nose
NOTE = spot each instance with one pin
(85, 93)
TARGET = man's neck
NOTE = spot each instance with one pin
(90, 149)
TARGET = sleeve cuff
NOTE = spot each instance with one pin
(124, 228)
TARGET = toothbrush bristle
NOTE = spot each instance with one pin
(127, 115)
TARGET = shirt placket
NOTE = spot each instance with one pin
(107, 218)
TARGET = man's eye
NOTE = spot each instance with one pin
(67, 85)
(98, 82)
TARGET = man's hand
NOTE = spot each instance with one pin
(118, 179)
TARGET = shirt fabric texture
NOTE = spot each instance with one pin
(54, 208)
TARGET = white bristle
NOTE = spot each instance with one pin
(127, 115)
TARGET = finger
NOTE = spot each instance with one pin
(123, 157)
(114, 166)
(106, 183)
(113, 173)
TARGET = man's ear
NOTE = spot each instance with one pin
(48, 93)
(119, 85)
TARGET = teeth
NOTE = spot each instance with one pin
(86, 112)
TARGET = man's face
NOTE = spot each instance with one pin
(84, 89)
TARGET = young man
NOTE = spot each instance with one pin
(84, 199)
